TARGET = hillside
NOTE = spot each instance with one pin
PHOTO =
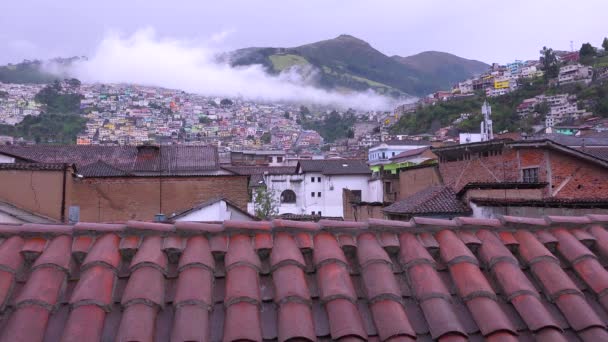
(445, 68)
(34, 71)
(349, 62)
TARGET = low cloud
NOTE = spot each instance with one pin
(144, 58)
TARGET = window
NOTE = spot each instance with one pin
(270, 159)
(356, 195)
(320, 213)
(288, 196)
(530, 175)
(383, 155)
(279, 159)
(312, 179)
(319, 194)
(312, 194)
(319, 179)
(388, 187)
(312, 213)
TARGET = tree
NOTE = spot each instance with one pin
(226, 102)
(264, 203)
(605, 45)
(587, 50)
(548, 59)
(266, 138)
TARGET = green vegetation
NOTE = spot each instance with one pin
(264, 203)
(266, 138)
(429, 119)
(550, 64)
(25, 72)
(348, 62)
(282, 62)
(333, 127)
(59, 123)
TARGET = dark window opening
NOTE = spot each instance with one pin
(319, 179)
(312, 194)
(312, 179)
(279, 159)
(288, 196)
(319, 194)
(356, 195)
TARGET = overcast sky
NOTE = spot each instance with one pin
(484, 30)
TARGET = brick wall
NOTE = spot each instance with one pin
(38, 192)
(414, 180)
(575, 178)
(118, 199)
(359, 212)
(567, 176)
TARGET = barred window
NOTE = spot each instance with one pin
(530, 175)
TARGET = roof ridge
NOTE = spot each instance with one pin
(415, 225)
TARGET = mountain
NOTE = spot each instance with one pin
(36, 71)
(351, 63)
(445, 68)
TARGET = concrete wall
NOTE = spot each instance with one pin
(418, 179)
(218, 211)
(117, 199)
(35, 191)
(6, 159)
(492, 212)
(531, 194)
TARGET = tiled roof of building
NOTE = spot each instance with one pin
(109, 161)
(33, 166)
(406, 142)
(410, 153)
(598, 152)
(335, 166)
(464, 279)
(260, 170)
(433, 200)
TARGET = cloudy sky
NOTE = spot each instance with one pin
(485, 30)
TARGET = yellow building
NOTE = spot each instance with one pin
(501, 84)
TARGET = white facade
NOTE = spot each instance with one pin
(217, 211)
(382, 153)
(6, 159)
(318, 194)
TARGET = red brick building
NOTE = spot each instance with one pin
(527, 173)
(115, 183)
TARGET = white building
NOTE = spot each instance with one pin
(317, 185)
(575, 73)
(381, 154)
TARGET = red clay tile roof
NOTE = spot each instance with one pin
(508, 279)
(112, 161)
(434, 200)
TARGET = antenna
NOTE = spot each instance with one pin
(571, 46)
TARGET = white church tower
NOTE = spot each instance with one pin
(486, 123)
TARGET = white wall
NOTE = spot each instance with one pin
(6, 159)
(218, 211)
(330, 203)
(5, 218)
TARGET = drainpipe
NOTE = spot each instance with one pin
(65, 171)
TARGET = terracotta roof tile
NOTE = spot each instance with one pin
(424, 279)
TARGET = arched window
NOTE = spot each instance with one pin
(288, 196)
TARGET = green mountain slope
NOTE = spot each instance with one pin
(349, 62)
(445, 68)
